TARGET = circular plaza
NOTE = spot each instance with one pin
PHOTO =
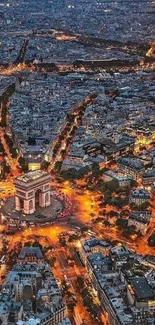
(33, 201)
(40, 215)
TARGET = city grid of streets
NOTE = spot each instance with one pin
(86, 204)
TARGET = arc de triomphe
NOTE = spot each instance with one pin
(32, 188)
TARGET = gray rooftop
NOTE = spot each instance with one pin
(31, 176)
(142, 289)
(31, 251)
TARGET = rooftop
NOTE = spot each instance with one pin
(66, 321)
(27, 251)
(111, 284)
(99, 260)
(150, 173)
(140, 193)
(117, 176)
(28, 274)
(141, 288)
(31, 321)
(139, 218)
(131, 162)
(119, 251)
(31, 176)
(88, 244)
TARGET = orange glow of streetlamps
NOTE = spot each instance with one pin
(78, 244)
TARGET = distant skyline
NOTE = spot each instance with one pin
(77, 162)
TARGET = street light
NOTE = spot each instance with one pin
(78, 244)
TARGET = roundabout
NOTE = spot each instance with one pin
(33, 201)
(41, 214)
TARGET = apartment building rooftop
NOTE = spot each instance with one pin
(41, 279)
(141, 288)
(114, 288)
(139, 218)
(98, 259)
(149, 174)
(131, 162)
(30, 251)
(140, 193)
(118, 176)
(88, 244)
(31, 321)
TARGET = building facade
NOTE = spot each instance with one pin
(31, 189)
(93, 245)
(123, 180)
(139, 196)
(131, 167)
(141, 220)
(149, 177)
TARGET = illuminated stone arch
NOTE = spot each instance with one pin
(32, 188)
(30, 205)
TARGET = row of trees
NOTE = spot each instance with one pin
(151, 240)
(122, 224)
(4, 100)
(23, 164)
(73, 174)
(69, 295)
(87, 298)
(5, 170)
(113, 187)
(10, 144)
(2, 151)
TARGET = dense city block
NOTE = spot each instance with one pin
(77, 162)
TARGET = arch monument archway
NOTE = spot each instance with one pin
(31, 189)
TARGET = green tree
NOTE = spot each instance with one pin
(45, 165)
(6, 168)
(121, 222)
(3, 122)
(83, 171)
(62, 241)
(133, 206)
(71, 305)
(112, 185)
(130, 230)
(119, 202)
(84, 228)
(80, 282)
(106, 223)
(151, 240)
(96, 169)
(58, 166)
(28, 244)
(52, 261)
(107, 193)
(72, 238)
(72, 173)
(133, 183)
(144, 206)
(63, 152)
(23, 163)
(13, 152)
(124, 212)
(37, 244)
(112, 214)
(1, 148)
(85, 292)
(108, 201)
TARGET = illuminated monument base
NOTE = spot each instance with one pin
(32, 189)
